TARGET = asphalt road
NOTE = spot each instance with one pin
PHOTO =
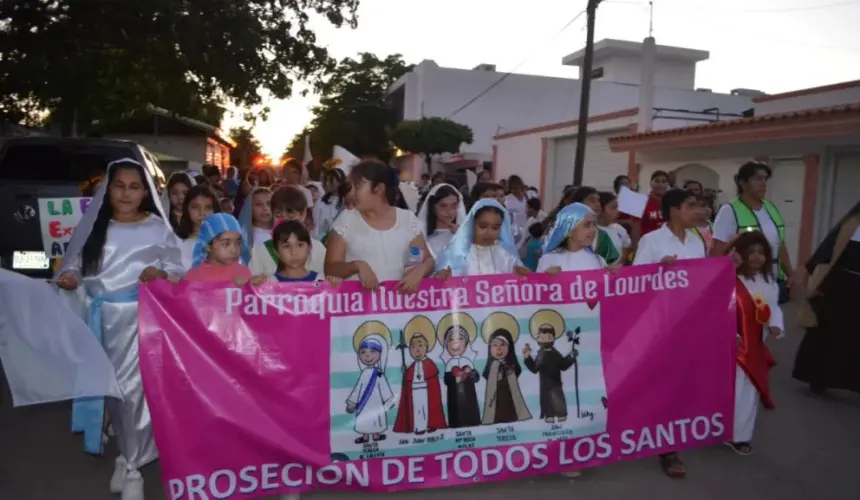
(806, 449)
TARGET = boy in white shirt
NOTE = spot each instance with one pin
(288, 203)
(675, 240)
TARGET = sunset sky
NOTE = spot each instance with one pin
(768, 45)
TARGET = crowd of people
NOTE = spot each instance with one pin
(360, 222)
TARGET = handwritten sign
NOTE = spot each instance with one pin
(58, 218)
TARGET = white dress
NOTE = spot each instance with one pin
(261, 236)
(581, 260)
(618, 235)
(746, 395)
(385, 251)
(371, 419)
(324, 214)
(186, 246)
(438, 241)
(483, 261)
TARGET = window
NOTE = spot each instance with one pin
(597, 73)
(46, 162)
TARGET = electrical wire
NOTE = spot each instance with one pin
(777, 10)
(511, 72)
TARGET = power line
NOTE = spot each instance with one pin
(511, 72)
(777, 10)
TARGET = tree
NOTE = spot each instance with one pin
(96, 60)
(431, 136)
(352, 111)
(247, 148)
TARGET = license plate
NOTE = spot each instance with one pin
(30, 260)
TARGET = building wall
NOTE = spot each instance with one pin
(628, 69)
(192, 149)
(601, 164)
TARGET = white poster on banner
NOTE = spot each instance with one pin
(58, 218)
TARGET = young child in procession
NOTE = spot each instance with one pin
(331, 202)
(293, 245)
(602, 245)
(218, 252)
(374, 242)
(178, 185)
(568, 245)
(759, 316)
(256, 217)
(286, 203)
(441, 213)
(607, 221)
(122, 240)
(483, 245)
(704, 227)
(489, 191)
(534, 246)
(534, 212)
(672, 241)
(200, 202)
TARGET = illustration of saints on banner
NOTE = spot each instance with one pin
(406, 385)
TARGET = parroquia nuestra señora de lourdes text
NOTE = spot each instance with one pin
(474, 292)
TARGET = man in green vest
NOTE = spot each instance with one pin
(750, 211)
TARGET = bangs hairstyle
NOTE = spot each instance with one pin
(660, 173)
(748, 239)
(289, 199)
(442, 193)
(378, 173)
(482, 188)
(674, 198)
(186, 227)
(93, 249)
(748, 170)
(484, 210)
(335, 176)
(288, 228)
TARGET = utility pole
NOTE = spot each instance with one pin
(585, 93)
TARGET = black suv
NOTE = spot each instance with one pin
(50, 167)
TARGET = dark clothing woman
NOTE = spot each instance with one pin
(829, 353)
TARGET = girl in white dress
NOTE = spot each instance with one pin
(441, 213)
(330, 203)
(178, 185)
(759, 316)
(199, 202)
(122, 240)
(483, 245)
(607, 221)
(372, 242)
(568, 244)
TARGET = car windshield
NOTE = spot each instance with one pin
(57, 163)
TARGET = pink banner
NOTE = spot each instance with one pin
(294, 387)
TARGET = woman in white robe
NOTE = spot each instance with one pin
(122, 240)
(441, 213)
(371, 397)
(481, 251)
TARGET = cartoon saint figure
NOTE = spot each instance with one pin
(503, 402)
(546, 326)
(371, 397)
(456, 332)
(420, 407)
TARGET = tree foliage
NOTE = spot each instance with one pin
(247, 149)
(352, 111)
(101, 59)
(431, 136)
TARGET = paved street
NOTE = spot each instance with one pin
(806, 449)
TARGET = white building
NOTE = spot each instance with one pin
(810, 138)
(629, 76)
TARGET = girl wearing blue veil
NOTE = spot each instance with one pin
(483, 245)
(567, 247)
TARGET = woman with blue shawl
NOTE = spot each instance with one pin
(483, 245)
(568, 245)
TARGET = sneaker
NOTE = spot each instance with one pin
(133, 487)
(117, 480)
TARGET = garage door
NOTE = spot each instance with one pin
(845, 192)
(785, 190)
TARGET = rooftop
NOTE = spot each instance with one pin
(609, 47)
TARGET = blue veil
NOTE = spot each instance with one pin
(565, 221)
(212, 226)
(247, 223)
(457, 251)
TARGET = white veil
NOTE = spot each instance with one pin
(165, 196)
(85, 226)
(422, 214)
